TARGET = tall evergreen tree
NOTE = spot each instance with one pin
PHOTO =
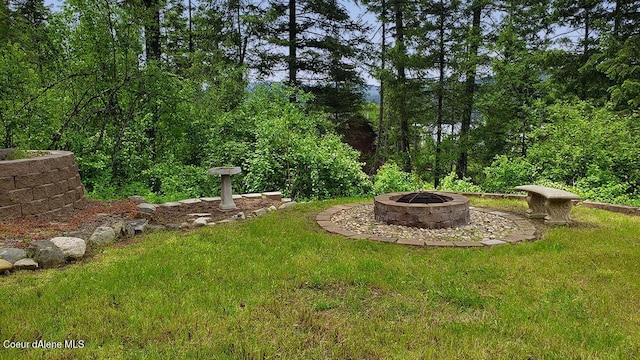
(318, 45)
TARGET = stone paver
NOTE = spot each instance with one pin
(525, 230)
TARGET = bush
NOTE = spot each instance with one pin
(451, 183)
(176, 181)
(505, 173)
(296, 152)
(390, 178)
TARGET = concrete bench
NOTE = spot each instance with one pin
(552, 205)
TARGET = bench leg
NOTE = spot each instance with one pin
(558, 211)
(536, 206)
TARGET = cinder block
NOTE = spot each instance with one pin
(59, 188)
(42, 191)
(28, 181)
(39, 165)
(14, 167)
(69, 197)
(56, 202)
(20, 196)
(35, 207)
(79, 193)
(10, 212)
(7, 183)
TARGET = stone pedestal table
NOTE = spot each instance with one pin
(225, 191)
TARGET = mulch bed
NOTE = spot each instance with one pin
(92, 213)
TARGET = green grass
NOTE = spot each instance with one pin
(280, 287)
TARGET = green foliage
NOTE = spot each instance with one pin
(390, 178)
(451, 183)
(581, 141)
(506, 172)
(296, 152)
(180, 181)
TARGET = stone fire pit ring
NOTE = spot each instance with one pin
(452, 213)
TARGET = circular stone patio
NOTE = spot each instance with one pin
(486, 228)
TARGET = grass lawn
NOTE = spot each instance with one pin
(280, 287)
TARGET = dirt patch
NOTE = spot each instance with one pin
(90, 214)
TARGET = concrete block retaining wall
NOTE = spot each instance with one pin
(39, 185)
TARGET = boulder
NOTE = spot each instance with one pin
(102, 235)
(139, 226)
(46, 253)
(202, 221)
(147, 208)
(25, 264)
(239, 216)
(272, 208)
(71, 247)
(5, 265)
(136, 198)
(123, 229)
(259, 212)
(12, 254)
(287, 204)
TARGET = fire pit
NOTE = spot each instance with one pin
(432, 210)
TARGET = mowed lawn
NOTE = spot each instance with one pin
(279, 287)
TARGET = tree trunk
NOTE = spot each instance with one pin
(402, 79)
(292, 60)
(470, 82)
(438, 160)
(383, 54)
(152, 29)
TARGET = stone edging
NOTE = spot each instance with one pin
(525, 231)
(57, 251)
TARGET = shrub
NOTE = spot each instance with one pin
(176, 181)
(390, 178)
(505, 173)
(451, 183)
(295, 151)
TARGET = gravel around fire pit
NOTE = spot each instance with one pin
(360, 219)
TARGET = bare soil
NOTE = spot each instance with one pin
(93, 213)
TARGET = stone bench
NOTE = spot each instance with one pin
(552, 205)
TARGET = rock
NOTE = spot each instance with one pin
(139, 226)
(239, 216)
(272, 208)
(172, 227)
(71, 247)
(202, 221)
(136, 198)
(154, 228)
(5, 265)
(123, 229)
(287, 204)
(171, 204)
(198, 215)
(190, 201)
(12, 254)
(102, 235)
(273, 195)
(286, 200)
(46, 254)
(77, 234)
(259, 212)
(147, 208)
(25, 264)
(211, 199)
